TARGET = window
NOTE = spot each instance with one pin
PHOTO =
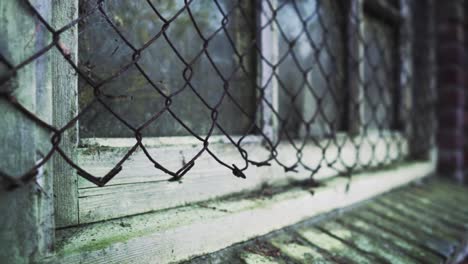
(173, 64)
(381, 53)
(307, 81)
(311, 74)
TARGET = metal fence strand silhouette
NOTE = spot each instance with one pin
(292, 73)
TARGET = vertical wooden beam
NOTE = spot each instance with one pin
(65, 94)
(270, 50)
(421, 115)
(26, 232)
(43, 101)
(405, 65)
(355, 65)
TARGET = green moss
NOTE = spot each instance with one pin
(95, 242)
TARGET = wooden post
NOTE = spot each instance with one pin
(26, 222)
(422, 112)
(355, 74)
(405, 103)
(270, 49)
(65, 94)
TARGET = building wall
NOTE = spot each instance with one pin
(452, 113)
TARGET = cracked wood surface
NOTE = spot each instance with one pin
(421, 223)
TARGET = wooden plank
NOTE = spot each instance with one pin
(443, 213)
(65, 107)
(442, 194)
(378, 244)
(335, 247)
(250, 258)
(44, 207)
(421, 117)
(414, 223)
(410, 235)
(408, 93)
(440, 200)
(444, 209)
(262, 251)
(385, 237)
(219, 223)
(355, 74)
(299, 252)
(141, 188)
(164, 141)
(270, 52)
(26, 225)
(381, 251)
(420, 217)
(454, 191)
(99, 160)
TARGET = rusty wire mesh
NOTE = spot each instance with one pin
(298, 73)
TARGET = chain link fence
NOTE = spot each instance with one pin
(333, 75)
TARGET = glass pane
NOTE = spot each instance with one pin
(311, 74)
(103, 53)
(379, 73)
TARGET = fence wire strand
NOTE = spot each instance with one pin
(316, 73)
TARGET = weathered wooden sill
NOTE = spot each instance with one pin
(180, 233)
(418, 223)
(140, 188)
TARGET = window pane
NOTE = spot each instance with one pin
(131, 96)
(379, 73)
(310, 76)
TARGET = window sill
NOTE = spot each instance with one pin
(180, 233)
(140, 188)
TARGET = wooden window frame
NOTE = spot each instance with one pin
(205, 181)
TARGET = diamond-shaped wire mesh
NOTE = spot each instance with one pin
(294, 73)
